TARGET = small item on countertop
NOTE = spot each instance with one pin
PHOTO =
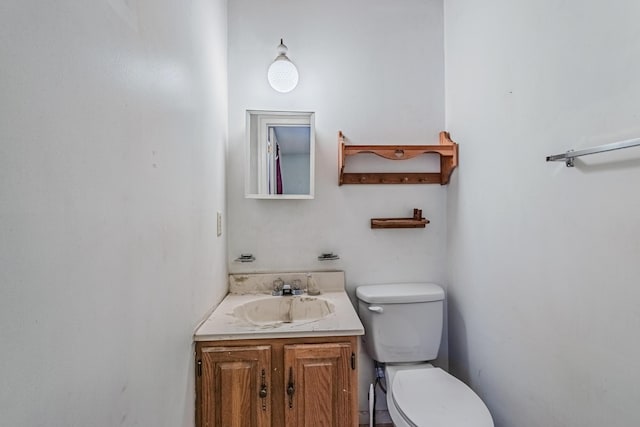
(312, 285)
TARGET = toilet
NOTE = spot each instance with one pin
(403, 328)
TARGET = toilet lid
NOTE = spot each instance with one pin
(433, 398)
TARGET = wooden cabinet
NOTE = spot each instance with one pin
(318, 378)
(297, 382)
(237, 386)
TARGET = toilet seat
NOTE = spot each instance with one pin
(433, 398)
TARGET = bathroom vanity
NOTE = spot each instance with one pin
(265, 360)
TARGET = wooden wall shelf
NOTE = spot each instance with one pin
(447, 149)
(416, 222)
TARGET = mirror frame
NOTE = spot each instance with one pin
(261, 119)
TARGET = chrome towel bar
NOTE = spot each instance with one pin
(571, 154)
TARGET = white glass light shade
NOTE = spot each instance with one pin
(282, 74)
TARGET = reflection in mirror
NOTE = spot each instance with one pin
(280, 160)
(288, 160)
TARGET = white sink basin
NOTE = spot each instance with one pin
(275, 310)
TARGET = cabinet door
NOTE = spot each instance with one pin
(318, 381)
(236, 386)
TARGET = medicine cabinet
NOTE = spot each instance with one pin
(280, 155)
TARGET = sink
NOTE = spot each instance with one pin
(275, 310)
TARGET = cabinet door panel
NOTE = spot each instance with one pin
(318, 380)
(233, 378)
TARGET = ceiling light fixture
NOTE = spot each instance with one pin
(282, 74)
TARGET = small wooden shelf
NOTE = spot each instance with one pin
(416, 222)
(398, 223)
(447, 149)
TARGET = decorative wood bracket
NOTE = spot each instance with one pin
(447, 149)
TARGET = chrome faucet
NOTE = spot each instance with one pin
(280, 288)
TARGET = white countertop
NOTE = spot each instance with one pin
(223, 325)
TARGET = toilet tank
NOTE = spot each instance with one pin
(402, 321)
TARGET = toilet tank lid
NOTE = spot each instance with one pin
(400, 293)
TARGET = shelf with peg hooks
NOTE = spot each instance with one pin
(416, 222)
(447, 149)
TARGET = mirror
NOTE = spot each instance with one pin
(280, 155)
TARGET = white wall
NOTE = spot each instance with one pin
(543, 291)
(373, 69)
(113, 123)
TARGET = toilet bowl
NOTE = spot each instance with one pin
(425, 396)
(403, 329)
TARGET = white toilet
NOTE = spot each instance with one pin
(403, 327)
